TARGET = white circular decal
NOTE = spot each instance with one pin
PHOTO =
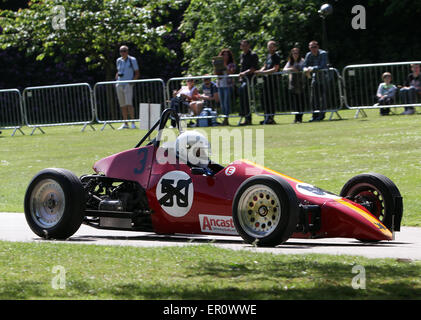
(310, 190)
(174, 193)
(230, 171)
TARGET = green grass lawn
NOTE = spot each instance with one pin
(196, 272)
(325, 154)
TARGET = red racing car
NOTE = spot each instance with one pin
(140, 190)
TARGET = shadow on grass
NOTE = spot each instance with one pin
(261, 280)
(28, 290)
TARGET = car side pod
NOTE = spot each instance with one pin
(346, 219)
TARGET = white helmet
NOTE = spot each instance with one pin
(192, 147)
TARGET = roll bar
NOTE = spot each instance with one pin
(165, 115)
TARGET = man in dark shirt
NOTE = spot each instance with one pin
(315, 62)
(209, 96)
(249, 62)
(272, 64)
(411, 89)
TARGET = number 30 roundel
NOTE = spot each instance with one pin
(175, 193)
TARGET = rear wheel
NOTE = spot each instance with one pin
(55, 204)
(379, 195)
(265, 211)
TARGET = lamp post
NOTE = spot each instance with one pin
(324, 12)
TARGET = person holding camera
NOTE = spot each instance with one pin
(127, 69)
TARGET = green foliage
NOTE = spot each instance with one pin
(213, 25)
(93, 28)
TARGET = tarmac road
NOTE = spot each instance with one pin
(406, 246)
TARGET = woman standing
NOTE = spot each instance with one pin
(225, 84)
(295, 66)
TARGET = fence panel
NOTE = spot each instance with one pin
(107, 108)
(236, 91)
(11, 111)
(362, 81)
(58, 105)
(284, 93)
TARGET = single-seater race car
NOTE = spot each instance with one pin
(159, 189)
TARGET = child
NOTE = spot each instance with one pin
(386, 93)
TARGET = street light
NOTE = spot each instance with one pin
(324, 12)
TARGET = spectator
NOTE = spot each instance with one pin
(272, 64)
(295, 67)
(208, 98)
(225, 84)
(386, 93)
(411, 89)
(315, 61)
(184, 97)
(249, 63)
(127, 69)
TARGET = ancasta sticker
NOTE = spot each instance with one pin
(174, 192)
(312, 191)
(230, 171)
(217, 224)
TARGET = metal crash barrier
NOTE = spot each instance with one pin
(145, 91)
(235, 90)
(291, 93)
(361, 83)
(281, 93)
(11, 111)
(58, 105)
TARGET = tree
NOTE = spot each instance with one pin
(391, 34)
(213, 25)
(94, 29)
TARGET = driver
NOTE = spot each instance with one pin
(193, 148)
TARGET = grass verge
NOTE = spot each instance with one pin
(28, 271)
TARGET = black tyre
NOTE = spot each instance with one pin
(54, 204)
(265, 210)
(379, 195)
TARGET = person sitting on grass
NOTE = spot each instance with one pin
(386, 93)
(411, 89)
(186, 96)
(207, 99)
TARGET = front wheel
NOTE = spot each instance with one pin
(265, 211)
(379, 195)
(54, 204)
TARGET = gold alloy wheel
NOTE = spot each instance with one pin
(259, 211)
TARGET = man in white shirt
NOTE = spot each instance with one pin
(127, 69)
